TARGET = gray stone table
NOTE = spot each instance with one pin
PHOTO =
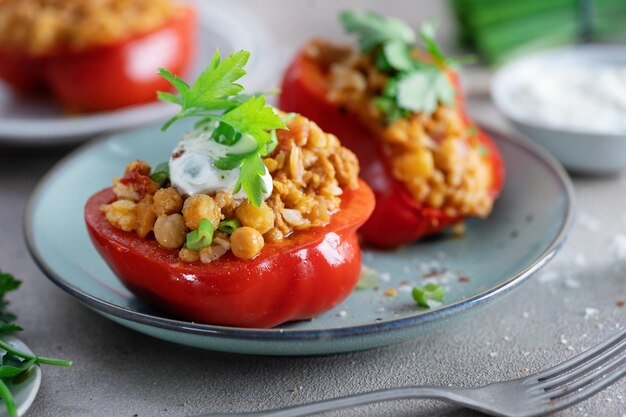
(566, 308)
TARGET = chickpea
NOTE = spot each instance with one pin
(199, 207)
(246, 242)
(167, 201)
(261, 218)
(170, 231)
(419, 163)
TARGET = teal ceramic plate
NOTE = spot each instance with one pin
(24, 387)
(529, 224)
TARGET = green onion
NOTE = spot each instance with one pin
(229, 226)
(368, 278)
(289, 117)
(273, 142)
(429, 292)
(9, 402)
(161, 173)
(202, 236)
(38, 359)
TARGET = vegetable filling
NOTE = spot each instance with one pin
(248, 175)
(405, 95)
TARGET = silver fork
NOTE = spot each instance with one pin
(545, 392)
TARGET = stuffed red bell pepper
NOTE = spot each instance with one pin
(398, 106)
(252, 221)
(94, 55)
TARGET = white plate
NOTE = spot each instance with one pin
(25, 391)
(42, 122)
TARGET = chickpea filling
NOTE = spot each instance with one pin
(310, 170)
(437, 157)
(38, 27)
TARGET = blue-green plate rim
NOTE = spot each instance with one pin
(419, 318)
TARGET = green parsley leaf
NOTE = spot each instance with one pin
(251, 179)
(216, 97)
(9, 328)
(430, 292)
(427, 35)
(374, 29)
(181, 86)
(169, 97)
(398, 55)
(232, 160)
(412, 85)
(421, 91)
(254, 118)
(14, 362)
(211, 91)
(218, 80)
(161, 173)
(8, 283)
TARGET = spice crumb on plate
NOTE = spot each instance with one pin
(391, 292)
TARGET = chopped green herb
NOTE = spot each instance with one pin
(368, 278)
(412, 86)
(374, 29)
(201, 237)
(421, 91)
(430, 292)
(289, 117)
(229, 226)
(427, 35)
(216, 97)
(15, 362)
(483, 150)
(161, 173)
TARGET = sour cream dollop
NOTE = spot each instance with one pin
(584, 98)
(192, 169)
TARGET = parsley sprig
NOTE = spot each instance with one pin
(14, 362)
(413, 85)
(217, 98)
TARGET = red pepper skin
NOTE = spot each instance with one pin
(106, 77)
(397, 218)
(306, 274)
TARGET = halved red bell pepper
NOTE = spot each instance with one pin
(397, 218)
(306, 274)
(106, 77)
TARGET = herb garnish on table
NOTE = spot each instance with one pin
(15, 362)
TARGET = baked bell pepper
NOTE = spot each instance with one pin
(110, 76)
(397, 219)
(298, 278)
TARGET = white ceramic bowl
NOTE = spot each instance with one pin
(583, 152)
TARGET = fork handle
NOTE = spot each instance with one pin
(441, 393)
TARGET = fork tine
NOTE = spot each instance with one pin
(607, 370)
(593, 362)
(588, 391)
(578, 360)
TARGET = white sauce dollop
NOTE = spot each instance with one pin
(192, 169)
(578, 98)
